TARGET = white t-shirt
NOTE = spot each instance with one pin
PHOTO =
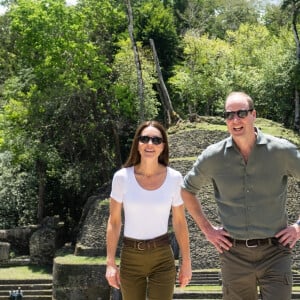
(146, 211)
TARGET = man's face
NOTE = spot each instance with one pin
(241, 121)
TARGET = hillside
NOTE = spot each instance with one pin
(187, 140)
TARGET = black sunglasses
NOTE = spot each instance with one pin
(243, 113)
(156, 140)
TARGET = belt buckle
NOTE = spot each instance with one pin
(250, 246)
(139, 246)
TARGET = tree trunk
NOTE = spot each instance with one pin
(172, 116)
(296, 37)
(137, 62)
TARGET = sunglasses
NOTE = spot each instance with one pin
(243, 113)
(145, 139)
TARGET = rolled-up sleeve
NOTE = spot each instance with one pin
(196, 177)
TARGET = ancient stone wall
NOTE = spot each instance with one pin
(79, 282)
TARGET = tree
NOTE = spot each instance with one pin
(172, 116)
(140, 82)
(63, 94)
(17, 193)
(202, 80)
(155, 21)
(275, 19)
(249, 59)
(293, 6)
(216, 17)
(126, 89)
(262, 64)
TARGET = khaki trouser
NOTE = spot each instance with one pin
(148, 274)
(265, 266)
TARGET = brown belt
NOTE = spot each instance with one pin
(253, 243)
(147, 244)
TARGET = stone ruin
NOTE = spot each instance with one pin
(34, 244)
(83, 281)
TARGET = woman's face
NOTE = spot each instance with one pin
(151, 143)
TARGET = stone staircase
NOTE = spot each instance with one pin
(41, 289)
(201, 278)
(35, 289)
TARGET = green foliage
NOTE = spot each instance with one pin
(249, 59)
(17, 193)
(105, 22)
(55, 117)
(126, 83)
(217, 16)
(275, 19)
(202, 80)
(262, 68)
(155, 21)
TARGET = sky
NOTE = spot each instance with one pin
(71, 2)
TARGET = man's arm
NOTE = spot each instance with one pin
(216, 236)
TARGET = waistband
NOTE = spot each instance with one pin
(253, 243)
(142, 245)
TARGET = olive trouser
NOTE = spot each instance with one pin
(265, 266)
(147, 274)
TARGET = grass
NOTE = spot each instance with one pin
(26, 272)
(215, 288)
(77, 260)
(203, 288)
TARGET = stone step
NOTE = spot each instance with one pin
(33, 289)
(189, 295)
(24, 281)
(25, 287)
(30, 292)
(197, 295)
(214, 278)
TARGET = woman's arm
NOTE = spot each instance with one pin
(112, 238)
(182, 236)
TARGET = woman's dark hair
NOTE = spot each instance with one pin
(134, 157)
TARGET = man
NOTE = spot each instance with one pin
(249, 173)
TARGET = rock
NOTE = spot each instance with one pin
(4, 251)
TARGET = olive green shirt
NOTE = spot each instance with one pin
(251, 197)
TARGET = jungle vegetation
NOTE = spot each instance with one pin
(75, 80)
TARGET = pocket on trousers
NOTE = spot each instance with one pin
(288, 279)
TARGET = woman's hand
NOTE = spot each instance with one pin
(185, 274)
(113, 276)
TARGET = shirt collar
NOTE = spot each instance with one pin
(260, 139)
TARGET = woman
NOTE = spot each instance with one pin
(147, 189)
